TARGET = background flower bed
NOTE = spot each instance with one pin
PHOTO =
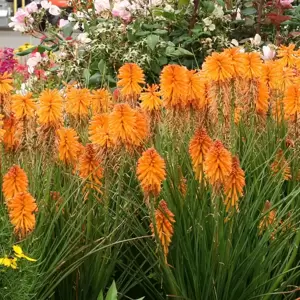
(151, 34)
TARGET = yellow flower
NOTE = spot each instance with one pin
(23, 47)
(8, 262)
(19, 253)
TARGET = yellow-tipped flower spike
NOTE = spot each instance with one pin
(19, 253)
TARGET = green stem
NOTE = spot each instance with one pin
(287, 267)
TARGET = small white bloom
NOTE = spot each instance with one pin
(238, 15)
(76, 26)
(268, 52)
(168, 8)
(207, 21)
(209, 26)
(80, 15)
(54, 10)
(45, 4)
(62, 23)
(256, 41)
(234, 42)
(218, 12)
(156, 2)
(23, 91)
(71, 18)
(17, 26)
(83, 38)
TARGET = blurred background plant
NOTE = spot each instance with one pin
(96, 38)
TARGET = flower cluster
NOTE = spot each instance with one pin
(11, 261)
(7, 60)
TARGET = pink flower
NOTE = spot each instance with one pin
(120, 10)
(286, 3)
(31, 7)
(62, 23)
(268, 52)
(19, 20)
(101, 5)
(33, 61)
(20, 16)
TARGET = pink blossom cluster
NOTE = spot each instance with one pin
(123, 9)
(25, 17)
(7, 60)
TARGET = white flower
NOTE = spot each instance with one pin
(24, 89)
(268, 52)
(209, 26)
(31, 7)
(155, 2)
(101, 5)
(54, 10)
(83, 38)
(33, 61)
(80, 15)
(76, 26)
(62, 23)
(218, 12)
(238, 15)
(21, 27)
(45, 4)
(234, 42)
(71, 18)
(168, 8)
(256, 41)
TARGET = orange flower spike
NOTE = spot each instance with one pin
(150, 98)
(234, 185)
(21, 213)
(141, 129)
(5, 83)
(78, 102)
(164, 220)
(50, 108)
(2, 131)
(292, 102)
(68, 146)
(272, 74)
(268, 219)
(237, 60)
(287, 55)
(174, 86)
(90, 168)
(99, 131)
(288, 79)
(13, 132)
(252, 66)
(122, 122)
(196, 89)
(23, 105)
(198, 149)
(151, 171)
(131, 77)
(217, 164)
(101, 101)
(280, 164)
(14, 181)
(262, 100)
(219, 67)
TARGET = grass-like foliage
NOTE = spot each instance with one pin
(187, 190)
